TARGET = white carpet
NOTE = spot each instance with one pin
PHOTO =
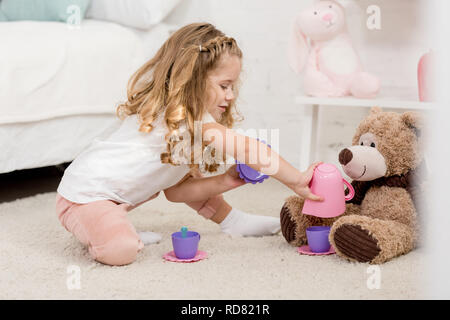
(37, 253)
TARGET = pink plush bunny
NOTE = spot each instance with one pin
(333, 68)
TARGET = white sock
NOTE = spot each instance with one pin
(249, 225)
(148, 237)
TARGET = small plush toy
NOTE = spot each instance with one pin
(333, 68)
(386, 165)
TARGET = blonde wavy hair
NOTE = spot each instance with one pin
(174, 82)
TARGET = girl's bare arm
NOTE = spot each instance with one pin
(260, 157)
(198, 189)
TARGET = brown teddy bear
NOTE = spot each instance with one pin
(381, 221)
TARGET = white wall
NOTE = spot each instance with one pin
(270, 86)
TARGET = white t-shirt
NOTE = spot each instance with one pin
(125, 167)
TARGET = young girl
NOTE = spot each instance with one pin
(193, 77)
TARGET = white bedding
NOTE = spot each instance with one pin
(49, 70)
(50, 142)
(59, 87)
(141, 14)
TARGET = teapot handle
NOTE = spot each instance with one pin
(351, 193)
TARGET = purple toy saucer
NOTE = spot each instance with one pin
(170, 256)
(249, 174)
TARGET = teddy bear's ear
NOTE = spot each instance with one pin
(375, 110)
(413, 120)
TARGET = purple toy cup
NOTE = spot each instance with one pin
(318, 238)
(249, 174)
(185, 248)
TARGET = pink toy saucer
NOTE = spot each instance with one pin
(170, 256)
(307, 250)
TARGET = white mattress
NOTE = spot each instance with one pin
(59, 87)
(49, 69)
(50, 142)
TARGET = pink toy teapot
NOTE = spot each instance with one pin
(328, 183)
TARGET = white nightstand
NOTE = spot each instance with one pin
(388, 98)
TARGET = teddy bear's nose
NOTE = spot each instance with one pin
(345, 156)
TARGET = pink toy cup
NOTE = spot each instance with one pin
(328, 183)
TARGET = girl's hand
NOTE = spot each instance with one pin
(231, 178)
(302, 186)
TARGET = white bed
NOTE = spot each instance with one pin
(60, 85)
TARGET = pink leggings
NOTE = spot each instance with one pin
(104, 228)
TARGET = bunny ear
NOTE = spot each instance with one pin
(297, 49)
(338, 4)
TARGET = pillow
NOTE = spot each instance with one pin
(43, 10)
(2, 16)
(141, 14)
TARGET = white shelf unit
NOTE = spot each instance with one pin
(392, 97)
(388, 98)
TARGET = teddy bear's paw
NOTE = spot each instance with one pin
(287, 225)
(356, 243)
